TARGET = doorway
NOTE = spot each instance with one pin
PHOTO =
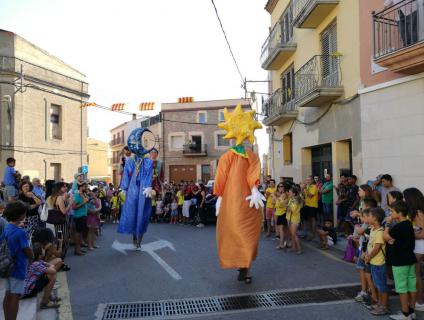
(322, 161)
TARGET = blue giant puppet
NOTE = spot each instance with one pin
(137, 183)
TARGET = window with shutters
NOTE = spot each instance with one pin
(330, 63)
(287, 85)
(287, 149)
(56, 122)
(287, 25)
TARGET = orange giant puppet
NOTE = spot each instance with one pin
(236, 185)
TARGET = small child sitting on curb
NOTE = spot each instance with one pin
(327, 235)
(41, 276)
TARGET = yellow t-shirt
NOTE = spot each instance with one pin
(280, 206)
(153, 198)
(294, 215)
(377, 236)
(122, 197)
(270, 200)
(114, 202)
(312, 201)
(180, 197)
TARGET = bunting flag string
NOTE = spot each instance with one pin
(118, 107)
(88, 104)
(146, 106)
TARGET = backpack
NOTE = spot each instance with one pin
(7, 262)
(349, 254)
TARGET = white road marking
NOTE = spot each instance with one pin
(150, 248)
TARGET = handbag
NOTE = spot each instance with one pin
(56, 217)
(44, 212)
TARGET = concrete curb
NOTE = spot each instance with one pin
(65, 310)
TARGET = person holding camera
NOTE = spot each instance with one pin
(80, 208)
(60, 201)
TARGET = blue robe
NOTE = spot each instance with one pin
(137, 208)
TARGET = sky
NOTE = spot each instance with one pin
(135, 51)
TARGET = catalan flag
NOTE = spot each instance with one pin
(185, 100)
(118, 106)
(146, 106)
(88, 104)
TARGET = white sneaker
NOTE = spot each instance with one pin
(360, 297)
(200, 225)
(419, 306)
(400, 316)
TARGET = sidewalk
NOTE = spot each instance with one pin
(29, 308)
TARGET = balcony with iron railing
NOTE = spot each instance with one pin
(279, 108)
(310, 13)
(117, 141)
(195, 150)
(318, 81)
(398, 37)
(280, 44)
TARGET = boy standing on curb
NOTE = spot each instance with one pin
(375, 256)
(19, 248)
(402, 258)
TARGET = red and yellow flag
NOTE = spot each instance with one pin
(88, 104)
(146, 106)
(118, 107)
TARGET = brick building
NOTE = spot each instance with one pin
(192, 142)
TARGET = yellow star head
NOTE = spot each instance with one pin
(240, 125)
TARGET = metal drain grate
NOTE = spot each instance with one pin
(174, 309)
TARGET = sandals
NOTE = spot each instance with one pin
(65, 267)
(49, 305)
(55, 299)
(242, 274)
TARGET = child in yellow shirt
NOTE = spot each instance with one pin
(270, 205)
(293, 217)
(281, 202)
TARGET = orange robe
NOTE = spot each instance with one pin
(238, 226)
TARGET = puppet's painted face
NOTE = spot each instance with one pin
(140, 141)
(240, 125)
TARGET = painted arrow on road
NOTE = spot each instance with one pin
(150, 248)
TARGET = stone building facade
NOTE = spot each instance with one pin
(191, 142)
(42, 124)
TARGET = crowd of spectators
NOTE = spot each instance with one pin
(384, 228)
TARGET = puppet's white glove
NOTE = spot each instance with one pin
(148, 192)
(218, 205)
(256, 198)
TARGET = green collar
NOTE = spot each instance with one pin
(240, 150)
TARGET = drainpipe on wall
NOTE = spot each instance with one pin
(45, 119)
(82, 90)
(271, 143)
(163, 141)
(45, 170)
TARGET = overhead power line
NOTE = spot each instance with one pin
(228, 43)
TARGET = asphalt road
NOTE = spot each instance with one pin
(108, 275)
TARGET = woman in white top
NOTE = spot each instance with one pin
(415, 201)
